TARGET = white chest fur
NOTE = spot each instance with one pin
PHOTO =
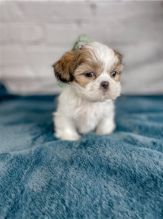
(87, 115)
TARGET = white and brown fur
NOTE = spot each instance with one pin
(92, 74)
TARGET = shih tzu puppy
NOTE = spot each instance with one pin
(91, 74)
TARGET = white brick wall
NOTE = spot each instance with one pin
(34, 34)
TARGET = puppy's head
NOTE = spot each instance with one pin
(93, 71)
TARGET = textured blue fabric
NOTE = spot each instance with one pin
(116, 176)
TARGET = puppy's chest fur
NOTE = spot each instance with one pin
(87, 116)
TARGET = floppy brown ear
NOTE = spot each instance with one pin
(63, 68)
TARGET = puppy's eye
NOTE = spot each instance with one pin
(89, 74)
(113, 73)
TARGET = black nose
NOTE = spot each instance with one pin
(105, 85)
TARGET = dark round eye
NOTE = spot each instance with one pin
(89, 74)
(113, 74)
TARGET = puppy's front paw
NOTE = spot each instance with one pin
(69, 136)
(105, 128)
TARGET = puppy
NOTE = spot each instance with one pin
(91, 75)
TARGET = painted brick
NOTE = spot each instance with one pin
(12, 55)
(59, 34)
(43, 55)
(35, 85)
(44, 11)
(28, 72)
(21, 33)
(31, 56)
(10, 12)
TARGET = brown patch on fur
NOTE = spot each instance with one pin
(119, 56)
(63, 68)
(86, 63)
(118, 65)
(80, 78)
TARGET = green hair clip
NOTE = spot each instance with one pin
(81, 40)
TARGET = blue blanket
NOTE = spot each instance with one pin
(116, 176)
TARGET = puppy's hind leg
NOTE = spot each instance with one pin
(65, 128)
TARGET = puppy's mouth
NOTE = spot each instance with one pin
(107, 95)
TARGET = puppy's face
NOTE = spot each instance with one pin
(93, 71)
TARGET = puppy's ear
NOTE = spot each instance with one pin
(119, 55)
(63, 68)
